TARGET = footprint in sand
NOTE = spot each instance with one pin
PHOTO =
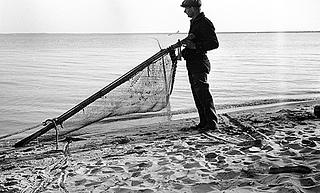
(227, 175)
(308, 182)
(294, 146)
(307, 150)
(308, 143)
(211, 157)
(80, 182)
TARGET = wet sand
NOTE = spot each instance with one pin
(268, 149)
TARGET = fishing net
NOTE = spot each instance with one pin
(145, 88)
(145, 91)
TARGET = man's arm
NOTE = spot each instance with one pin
(210, 40)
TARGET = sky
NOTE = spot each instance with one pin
(155, 16)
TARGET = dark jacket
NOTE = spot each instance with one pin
(205, 38)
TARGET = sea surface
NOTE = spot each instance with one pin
(44, 75)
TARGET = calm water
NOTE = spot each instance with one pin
(44, 75)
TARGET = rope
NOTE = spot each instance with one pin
(54, 121)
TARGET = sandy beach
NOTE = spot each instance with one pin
(256, 149)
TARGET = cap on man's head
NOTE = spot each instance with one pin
(191, 3)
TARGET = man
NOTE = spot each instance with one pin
(201, 38)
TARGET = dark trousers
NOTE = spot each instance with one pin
(202, 97)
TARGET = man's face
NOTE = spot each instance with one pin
(189, 11)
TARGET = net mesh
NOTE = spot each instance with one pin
(145, 91)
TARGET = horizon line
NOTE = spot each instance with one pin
(235, 32)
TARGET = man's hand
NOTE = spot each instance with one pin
(188, 44)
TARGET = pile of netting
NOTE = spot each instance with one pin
(145, 88)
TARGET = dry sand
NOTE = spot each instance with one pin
(254, 150)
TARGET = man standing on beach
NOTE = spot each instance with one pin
(201, 38)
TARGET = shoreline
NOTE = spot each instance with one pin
(139, 120)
